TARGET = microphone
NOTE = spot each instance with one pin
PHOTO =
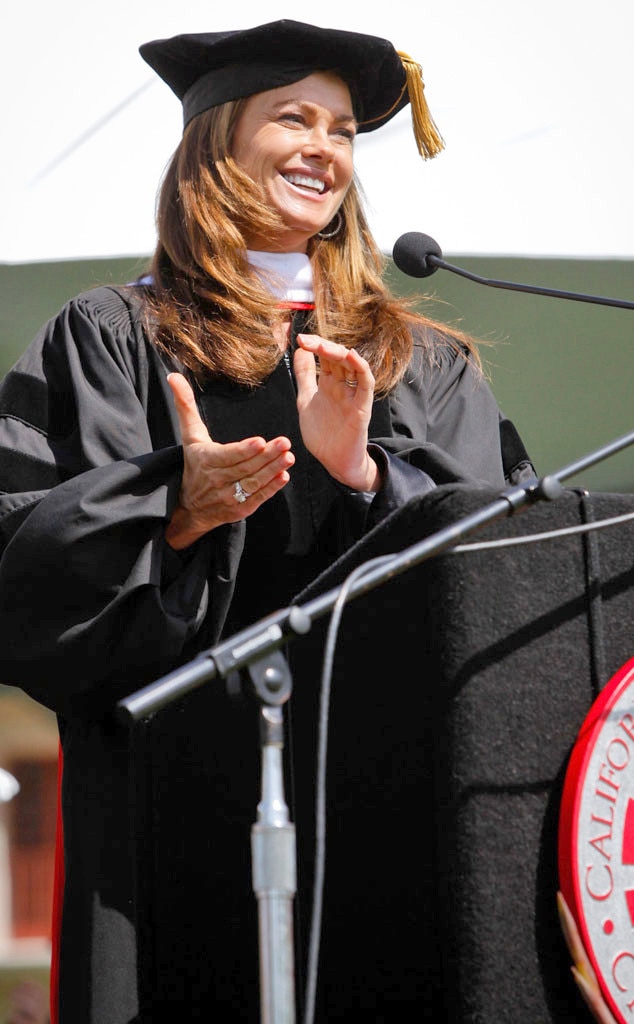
(419, 255)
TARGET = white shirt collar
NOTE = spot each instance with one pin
(288, 275)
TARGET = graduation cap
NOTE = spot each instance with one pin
(206, 69)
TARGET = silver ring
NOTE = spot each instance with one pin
(351, 383)
(239, 493)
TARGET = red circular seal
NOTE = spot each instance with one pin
(596, 840)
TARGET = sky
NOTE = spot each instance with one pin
(534, 101)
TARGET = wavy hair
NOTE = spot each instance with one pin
(208, 308)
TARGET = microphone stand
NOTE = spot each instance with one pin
(256, 650)
(273, 851)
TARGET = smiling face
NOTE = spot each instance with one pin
(296, 141)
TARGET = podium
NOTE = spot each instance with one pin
(458, 690)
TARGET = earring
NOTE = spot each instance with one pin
(337, 220)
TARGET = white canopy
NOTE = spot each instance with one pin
(534, 102)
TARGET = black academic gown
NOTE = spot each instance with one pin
(159, 918)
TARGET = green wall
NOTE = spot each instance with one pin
(561, 370)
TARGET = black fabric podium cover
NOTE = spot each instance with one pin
(458, 690)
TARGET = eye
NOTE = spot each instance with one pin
(348, 134)
(292, 117)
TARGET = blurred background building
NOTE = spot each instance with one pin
(28, 810)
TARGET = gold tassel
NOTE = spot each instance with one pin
(428, 138)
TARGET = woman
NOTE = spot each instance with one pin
(182, 456)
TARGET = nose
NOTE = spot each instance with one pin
(319, 143)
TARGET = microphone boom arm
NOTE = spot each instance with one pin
(436, 261)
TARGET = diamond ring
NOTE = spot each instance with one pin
(239, 493)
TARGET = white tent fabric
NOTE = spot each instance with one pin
(534, 102)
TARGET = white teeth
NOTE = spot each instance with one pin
(306, 182)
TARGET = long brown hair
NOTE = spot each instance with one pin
(210, 310)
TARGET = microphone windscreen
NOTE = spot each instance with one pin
(411, 254)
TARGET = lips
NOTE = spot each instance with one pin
(305, 181)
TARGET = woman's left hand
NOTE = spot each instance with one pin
(334, 407)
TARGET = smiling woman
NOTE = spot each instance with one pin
(182, 456)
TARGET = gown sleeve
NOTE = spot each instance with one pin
(445, 427)
(92, 599)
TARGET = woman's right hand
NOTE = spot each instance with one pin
(211, 471)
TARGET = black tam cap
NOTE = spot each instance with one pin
(206, 69)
